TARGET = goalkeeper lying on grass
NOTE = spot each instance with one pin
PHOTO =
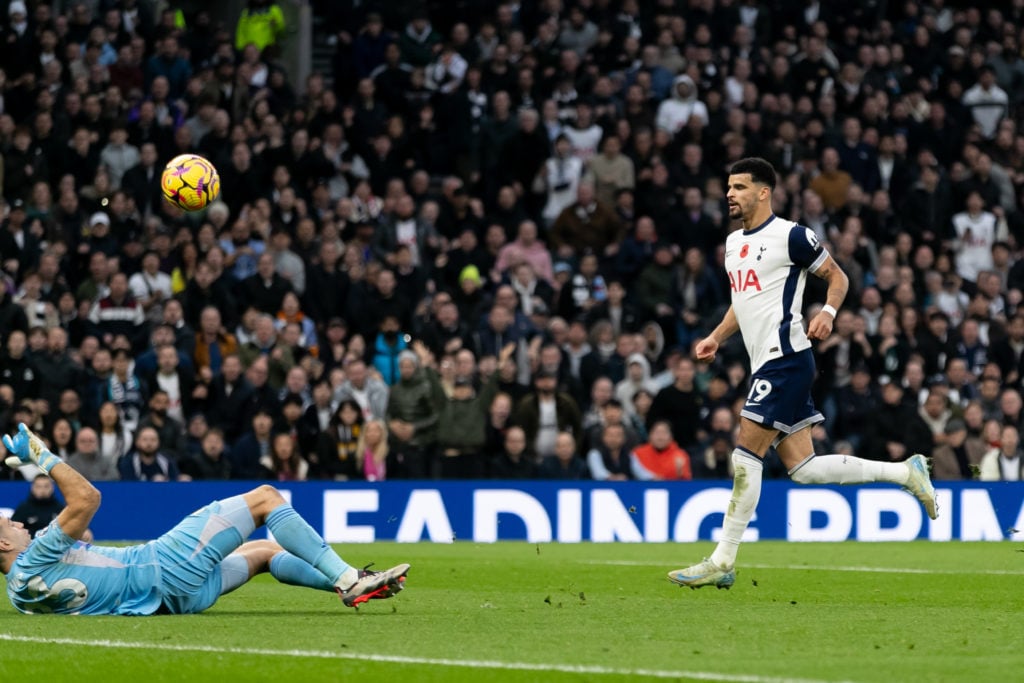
(184, 571)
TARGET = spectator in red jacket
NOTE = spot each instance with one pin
(661, 458)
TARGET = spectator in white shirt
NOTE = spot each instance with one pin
(987, 101)
(562, 175)
(584, 135)
(1003, 463)
(151, 286)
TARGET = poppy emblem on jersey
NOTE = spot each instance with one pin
(743, 250)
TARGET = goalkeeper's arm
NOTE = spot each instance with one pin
(81, 498)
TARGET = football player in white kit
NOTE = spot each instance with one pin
(768, 261)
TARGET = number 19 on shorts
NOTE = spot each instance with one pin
(759, 391)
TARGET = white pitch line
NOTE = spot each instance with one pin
(828, 568)
(428, 661)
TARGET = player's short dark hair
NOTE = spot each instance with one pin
(760, 170)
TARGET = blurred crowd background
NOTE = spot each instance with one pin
(480, 239)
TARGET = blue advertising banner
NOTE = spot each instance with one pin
(571, 512)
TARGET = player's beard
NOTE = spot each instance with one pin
(735, 212)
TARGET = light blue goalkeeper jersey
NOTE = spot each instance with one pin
(57, 574)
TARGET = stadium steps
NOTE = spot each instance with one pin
(323, 52)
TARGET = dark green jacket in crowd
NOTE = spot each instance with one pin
(415, 400)
(463, 424)
(527, 416)
(653, 286)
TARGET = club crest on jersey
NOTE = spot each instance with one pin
(744, 279)
(744, 250)
(761, 253)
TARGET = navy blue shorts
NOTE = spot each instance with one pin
(780, 395)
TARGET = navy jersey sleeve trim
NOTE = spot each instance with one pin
(804, 247)
(818, 262)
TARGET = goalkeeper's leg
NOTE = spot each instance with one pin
(300, 539)
(259, 557)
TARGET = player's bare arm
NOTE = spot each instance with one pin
(81, 498)
(706, 348)
(820, 326)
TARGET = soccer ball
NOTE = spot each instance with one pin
(190, 182)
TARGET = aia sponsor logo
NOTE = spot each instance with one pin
(744, 279)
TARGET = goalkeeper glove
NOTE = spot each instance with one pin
(29, 448)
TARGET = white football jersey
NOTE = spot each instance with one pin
(975, 236)
(768, 268)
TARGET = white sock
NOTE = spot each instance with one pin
(846, 469)
(347, 579)
(746, 491)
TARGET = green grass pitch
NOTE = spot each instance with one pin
(522, 612)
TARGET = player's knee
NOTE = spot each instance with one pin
(800, 477)
(269, 491)
(267, 497)
(804, 474)
(258, 554)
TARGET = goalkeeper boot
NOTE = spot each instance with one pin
(373, 585)
(705, 573)
(919, 483)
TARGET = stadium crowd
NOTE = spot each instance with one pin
(484, 245)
